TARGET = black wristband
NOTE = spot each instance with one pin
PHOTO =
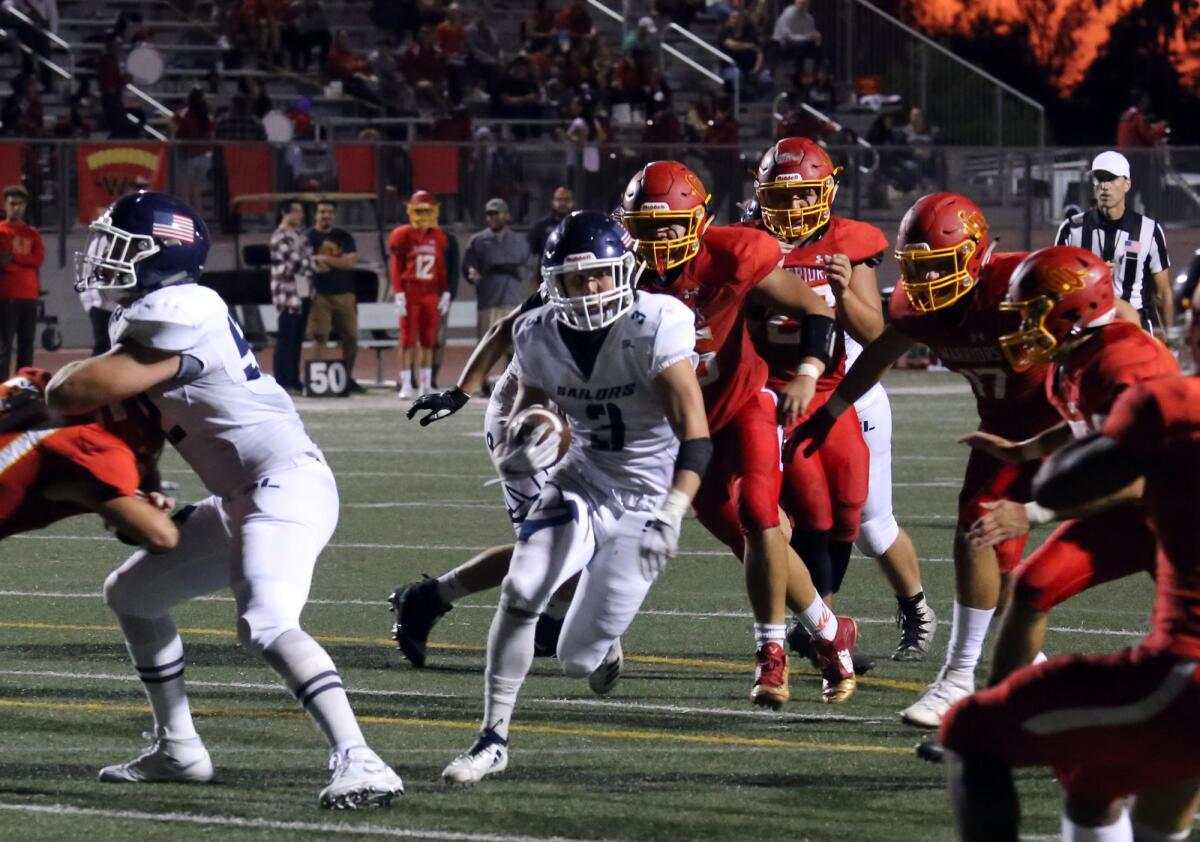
(694, 455)
(817, 336)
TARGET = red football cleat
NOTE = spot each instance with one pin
(835, 658)
(770, 677)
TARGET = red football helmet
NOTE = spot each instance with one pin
(422, 210)
(665, 194)
(1060, 292)
(942, 245)
(790, 167)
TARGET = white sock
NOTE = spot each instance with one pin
(765, 633)
(1119, 831)
(425, 375)
(309, 673)
(509, 657)
(449, 588)
(157, 655)
(406, 379)
(968, 628)
(818, 620)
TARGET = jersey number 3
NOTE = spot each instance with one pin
(615, 428)
(245, 352)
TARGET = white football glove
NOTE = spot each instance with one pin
(444, 303)
(660, 537)
(537, 453)
(401, 306)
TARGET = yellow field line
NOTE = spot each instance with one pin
(697, 663)
(558, 730)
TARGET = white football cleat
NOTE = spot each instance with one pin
(489, 756)
(360, 779)
(605, 676)
(939, 697)
(166, 760)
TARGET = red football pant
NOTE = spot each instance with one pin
(740, 491)
(826, 492)
(1109, 725)
(420, 322)
(1083, 553)
(988, 480)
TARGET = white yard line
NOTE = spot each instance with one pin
(648, 612)
(271, 824)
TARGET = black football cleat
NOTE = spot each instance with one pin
(545, 636)
(931, 751)
(417, 607)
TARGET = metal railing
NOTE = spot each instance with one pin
(970, 105)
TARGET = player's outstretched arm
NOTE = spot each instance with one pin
(123, 372)
(1015, 452)
(867, 370)
(683, 404)
(494, 346)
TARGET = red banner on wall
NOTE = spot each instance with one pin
(249, 168)
(107, 171)
(356, 167)
(435, 168)
(12, 159)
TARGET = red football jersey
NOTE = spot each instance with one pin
(1160, 421)
(731, 262)
(1010, 403)
(30, 460)
(418, 260)
(1084, 384)
(777, 337)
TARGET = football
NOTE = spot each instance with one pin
(538, 421)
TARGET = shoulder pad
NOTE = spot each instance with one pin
(170, 319)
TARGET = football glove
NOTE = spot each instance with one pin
(660, 537)
(440, 405)
(401, 306)
(444, 303)
(517, 460)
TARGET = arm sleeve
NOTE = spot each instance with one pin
(452, 264)
(675, 338)
(1063, 237)
(525, 359)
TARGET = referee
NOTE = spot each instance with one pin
(1133, 245)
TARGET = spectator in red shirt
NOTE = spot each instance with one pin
(1137, 133)
(575, 22)
(192, 123)
(537, 30)
(451, 38)
(662, 126)
(424, 66)
(21, 255)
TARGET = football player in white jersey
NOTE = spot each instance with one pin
(419, 605)
(620, 365)
(274, 501)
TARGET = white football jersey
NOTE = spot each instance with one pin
(230, 422)
(620, 436)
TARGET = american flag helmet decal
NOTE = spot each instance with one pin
(173, 226)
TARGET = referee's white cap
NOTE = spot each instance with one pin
(1111, 162)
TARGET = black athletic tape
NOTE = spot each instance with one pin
(817, 336)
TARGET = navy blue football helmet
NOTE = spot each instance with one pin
(751, 210)
(584, 242)
(143, 240)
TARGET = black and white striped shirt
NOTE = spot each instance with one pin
(1133, 245)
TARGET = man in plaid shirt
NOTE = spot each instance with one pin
(292, 267)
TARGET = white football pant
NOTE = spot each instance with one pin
(879, 529)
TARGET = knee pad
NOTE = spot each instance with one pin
(521, 599)
(257, 630)
(876, 536)
(123, 596)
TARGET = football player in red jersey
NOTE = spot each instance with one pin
(51, 469)
(1069, 319)
(825, 493)
(420, 257)
(715, 271)
(1109, 725)
(948, 298)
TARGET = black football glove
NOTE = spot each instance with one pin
(440, 405)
